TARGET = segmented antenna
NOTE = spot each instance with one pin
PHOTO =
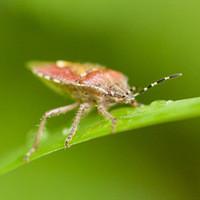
(157, 83)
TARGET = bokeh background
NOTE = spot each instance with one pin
(145, 40)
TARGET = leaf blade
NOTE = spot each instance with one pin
(94, 127)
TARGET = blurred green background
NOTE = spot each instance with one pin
(145, 40)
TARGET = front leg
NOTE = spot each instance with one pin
(104, 112)
(83, 109)
(47, 115)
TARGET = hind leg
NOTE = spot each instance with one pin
(47, 115)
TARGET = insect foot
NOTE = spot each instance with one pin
(114, 124)
(28, 154)
(67, 143)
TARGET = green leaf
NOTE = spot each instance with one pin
(94, 126)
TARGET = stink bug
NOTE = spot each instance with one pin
(90, 85)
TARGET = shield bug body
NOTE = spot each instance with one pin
(90, 85)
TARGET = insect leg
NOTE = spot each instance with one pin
(104, 112)
(47, 115)
(83, 109)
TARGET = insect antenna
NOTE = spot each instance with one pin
(157, 83)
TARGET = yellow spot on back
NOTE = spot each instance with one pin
(78, 68)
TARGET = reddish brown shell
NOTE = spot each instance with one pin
(105, 79)
(76, 74)
(54, 73)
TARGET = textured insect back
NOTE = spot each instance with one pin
(145, 89)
